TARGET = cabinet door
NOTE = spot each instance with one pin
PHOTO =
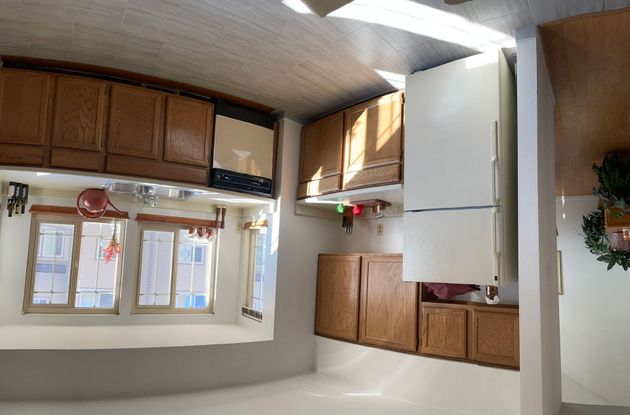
(338, 279)
(443, 331)
(389, 310)
(373, 140)
(495, 337)
(79, 113)
(24, 103)
(188, 135)
(135, 122)
(320, 153)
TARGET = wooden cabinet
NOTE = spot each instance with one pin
(443, 330)
(495, 336)
(136, 118)
(24, 104)
(79, 113)
(338, 279)
(389, 306)
(189, 128)
(321, 156)
(373, 142)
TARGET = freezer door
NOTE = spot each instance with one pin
(453, 246)
(451, 117)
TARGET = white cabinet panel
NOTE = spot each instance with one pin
(450, 115)
(453, 246)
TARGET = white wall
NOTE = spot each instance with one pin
(50, 374)
(538, 295)
(594, 310)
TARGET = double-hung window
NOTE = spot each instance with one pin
(176, 271)
(67, 270)
(255, 272)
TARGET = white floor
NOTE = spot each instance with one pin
(304, 395)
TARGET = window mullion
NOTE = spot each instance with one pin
(74, 269)
(174, 268)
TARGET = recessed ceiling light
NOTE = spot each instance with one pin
(41, 173)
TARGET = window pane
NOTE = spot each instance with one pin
(95, 277)
(257, 258)
(156, 267)
(194, 271)
(53, 263)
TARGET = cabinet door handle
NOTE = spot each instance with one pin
(496, 164)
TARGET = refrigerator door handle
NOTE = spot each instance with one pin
(496, 170)
(496, 245)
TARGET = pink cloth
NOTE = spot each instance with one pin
(446, 291)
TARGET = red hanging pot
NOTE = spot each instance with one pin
(93, 203)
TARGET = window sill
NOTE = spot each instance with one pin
(125, 337)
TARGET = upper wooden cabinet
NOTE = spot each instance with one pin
(358, 147)
(321, 156)
(136, 119)
(189, 127)
(389, 306)
(443, 330)
(24, 104)
(338, 279)
(79, 113)
(373, 142)
(495, 336)
(322, 143)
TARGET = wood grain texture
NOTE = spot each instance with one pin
(189, 131)
(372, 177)
(338, 286)
(21, 155)
(135, 122)
(175, 220)
(138, 167)
(588, 60)
(389, 306)
(443, 331)
(495, 336)
(321, 148)
(79, 113)
(319, 187)
(373, 133)
(67, 210)
(24, 103)
(75, 159)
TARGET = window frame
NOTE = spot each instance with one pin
(28, 307)
(247, 309)
(171, 308)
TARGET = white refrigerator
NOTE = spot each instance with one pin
(460, 220)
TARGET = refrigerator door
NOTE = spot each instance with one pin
(452, 114)
(453, 246)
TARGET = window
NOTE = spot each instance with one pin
(255, 273)
(67, 272)
(176, 272)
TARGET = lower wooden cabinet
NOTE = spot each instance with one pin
(443, 330)
(495, 336)
(362, 298)
(389, 306)
(338, 285)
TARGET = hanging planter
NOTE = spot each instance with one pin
(598, 243)
(614, 184)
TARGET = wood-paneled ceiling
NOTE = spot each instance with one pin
(588, 58)
(260, 50)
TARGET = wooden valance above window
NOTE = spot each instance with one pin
(174, 220)
(72, 211)
(255, 224)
